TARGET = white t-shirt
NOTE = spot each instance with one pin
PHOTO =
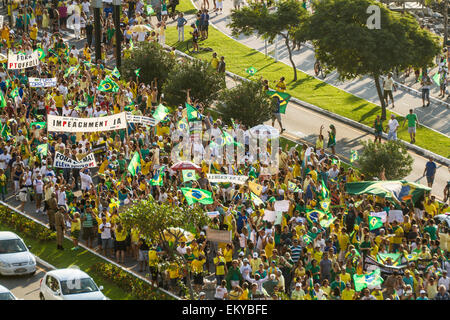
(4, 160)
(220, 292)
(106, 234)
(86, 181)
(393, 125)
(388, 84)
(39, 186)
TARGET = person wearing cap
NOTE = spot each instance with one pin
(221, 266)
(422, 295)
(246, 268)
(202, 296)
(255, 261)
(298, 293)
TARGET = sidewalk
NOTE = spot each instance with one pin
(436, 116)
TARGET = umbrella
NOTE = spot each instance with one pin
(184, 236)
(186, 165)
(140, 28)
(265, 129)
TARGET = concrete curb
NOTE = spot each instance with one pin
(45, 264)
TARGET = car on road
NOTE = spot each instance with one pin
(5, 294)
(15, 258)
(69, 284)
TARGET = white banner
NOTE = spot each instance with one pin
(70, 124)
(1, 21)
(22, 61)
(269, 215)
(226, 178)
(42, 82)
(61, 161)
(218, 235)
(382, 215)
(395, 215)
(140, 120)
(282, 205)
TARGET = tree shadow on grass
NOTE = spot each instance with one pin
(371, 112)
(293, 85)
(320, 85)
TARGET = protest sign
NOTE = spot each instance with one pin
(42, 82)
(99, 148)
(140, 119)
(226, 178)
(62, 161)
(213, 214)
(23, 61)
(395, 215)
(282, 206)
(269, 215)
(70, 124)
(382, 215)
(218, 235)
(279, 218)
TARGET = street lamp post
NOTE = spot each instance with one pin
(97, 5)
(116, 16)
(445, 23)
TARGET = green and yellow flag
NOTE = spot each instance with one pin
(41, 53)
(283, 96)
(354, 156)
(375, 223)
(42, 149)
(135, 164)
(108, 85)
(116, 73)
(251, 71)
(157, 180)
(189, 175)
(255, 199)
(160, 113)
(2, 100)
(293, 187)
(192, 113)
(71, 70)
(14, 93)
(371, 279)
(39, 125)
(137, 72)
(193, 195)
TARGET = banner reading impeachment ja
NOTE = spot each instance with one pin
(70, 124)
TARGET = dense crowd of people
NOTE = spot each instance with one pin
(297, 256)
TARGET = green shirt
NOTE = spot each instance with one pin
(412, 118)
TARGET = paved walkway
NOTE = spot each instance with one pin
(436, 116)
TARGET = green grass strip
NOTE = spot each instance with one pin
(186, 7)
(63, 259)
(239, 57)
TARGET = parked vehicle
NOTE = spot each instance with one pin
(15, 257)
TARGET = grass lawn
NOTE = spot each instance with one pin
(239, 57)
(63, 259)
(186, 7)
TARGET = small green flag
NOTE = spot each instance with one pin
(325, 223)
(193, 195)
(137, 72)
(189, 175)
(436, 79)
(371, 279)
(293, 187)
(71, 70)
(135, 164)
(150, 10)
(14, 93)
(192, 113)
(116, 73)
(354, 156)
(108, 85)
(5, 132)
(375, 223)
(39, 125)
(157, 179)
(41, 53)
(2, 100)
(131, 44)
(325, 191)
(282, 96)
(251, 71)
(42, 149)
(160, 113)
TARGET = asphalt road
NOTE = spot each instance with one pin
(24, 287)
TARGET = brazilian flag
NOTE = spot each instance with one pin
(2, 100)
(256, 200)
(14, 93)
(293, 187)
(71, 70)
(42, 149)
(158, 178)
(325, 205)
(160, 113)
(41, 53)
(193, 195)
(354, 156)
(325, 223)
(192, 113)
(283, 96)
(149, 9)
(5, 132)
(135, 164)
(182, 125)
(137, 72)
(189, 175)
(108, 85)
(39, 125)
(251, 71)
(375, 223)
(116, 73)
(314, 216)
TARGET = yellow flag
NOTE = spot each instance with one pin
(103, 166)
(255, 188)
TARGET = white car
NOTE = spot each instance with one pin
(69, 284)
(5, 294)
(15, 258)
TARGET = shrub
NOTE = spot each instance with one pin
(247, 102)
(197, 75)
(21, 223)
(152, 59)
(139, 289)
(391, 156)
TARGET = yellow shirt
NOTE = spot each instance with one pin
(378, 295)
(220, 269)
(269, 249)
(152, 258)
(214, 63)
(343, 239)
(281, 86)
(33, 33)
(348, 294)
(76, 225)
(244, 295)
(173, 271)
(59, 100)
(228, 254)
(345, 277)
(197, 265)
(121, 236)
